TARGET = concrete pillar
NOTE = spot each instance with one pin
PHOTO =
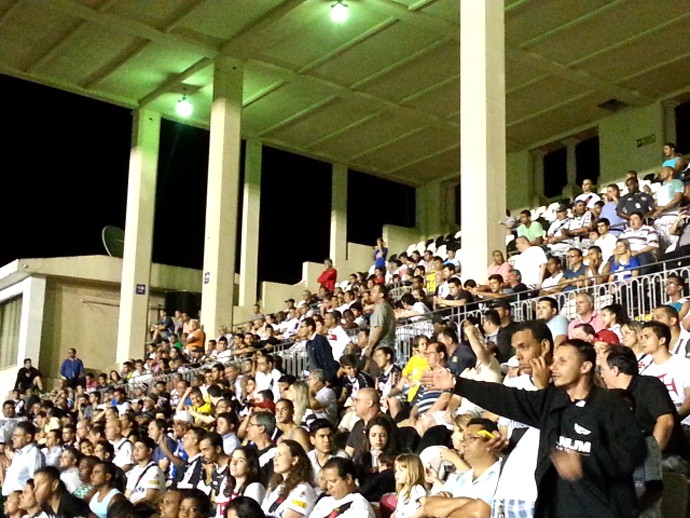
(132, 329)
(251, 206)
(338, 248)
(537, 157)
(218, 289)
(670, 132)
(430, 205)
(482, 133)
(571, 189)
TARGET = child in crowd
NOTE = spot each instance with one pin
(409, 484)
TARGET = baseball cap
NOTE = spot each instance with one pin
(184, 417)
(561, 207)
(606, 336)
(512, 362)
(499, 303)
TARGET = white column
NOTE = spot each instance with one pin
(482, 133)
(537, 156)
(338, 248)
(136, 264)
(571, 189)
(669, 107)
(251, 206)
(218, 289)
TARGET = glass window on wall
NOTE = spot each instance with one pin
(10, 315)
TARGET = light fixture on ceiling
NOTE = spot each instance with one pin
(184, 107)
(339, 12)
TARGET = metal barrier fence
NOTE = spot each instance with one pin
(639, 295)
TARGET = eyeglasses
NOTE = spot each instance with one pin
(252, 424)
(468, 438)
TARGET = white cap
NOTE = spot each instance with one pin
(184, 417)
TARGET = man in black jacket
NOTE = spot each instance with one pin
(590, 442)
(319, 351)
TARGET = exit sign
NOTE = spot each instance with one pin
(645, 141)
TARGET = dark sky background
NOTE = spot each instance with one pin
(68, 179)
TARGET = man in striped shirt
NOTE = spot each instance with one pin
(643, 239)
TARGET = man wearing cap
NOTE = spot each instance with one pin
(182, 422)
(580, 223)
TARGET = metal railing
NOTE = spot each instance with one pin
(639, 295)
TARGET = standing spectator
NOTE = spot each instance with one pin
(28, 377)
(27, 459)
(319, 351)
(380, 253)
(382, 321)
(72, 368)
(328, 276)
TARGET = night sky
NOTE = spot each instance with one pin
(71, 157)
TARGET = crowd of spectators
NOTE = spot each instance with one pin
(486, 415)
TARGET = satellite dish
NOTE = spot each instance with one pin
(113, 241)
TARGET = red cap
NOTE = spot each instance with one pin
(607, 336)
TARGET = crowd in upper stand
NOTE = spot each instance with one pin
(483, 416)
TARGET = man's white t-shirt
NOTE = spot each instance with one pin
(339, 340)
(142, 478)
(607, 244)
(528, 262)
(675, 375)
(328, 401)
(124, 452)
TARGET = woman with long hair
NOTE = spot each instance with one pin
(104, 480)
(380, 439)
(631, 339)
(298, 393)
(615, 316)
(291, 494)
(244, 479)
(625, 265)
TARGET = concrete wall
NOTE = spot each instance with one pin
(83, 315)
(618, 151)
(399, 238)
(618, 135)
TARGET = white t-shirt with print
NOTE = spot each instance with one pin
(300, 500)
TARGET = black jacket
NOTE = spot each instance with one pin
(320, 356)
(605, 434)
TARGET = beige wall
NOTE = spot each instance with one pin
(399, 238)
(519, 185)
(83, 315)
(618, 136)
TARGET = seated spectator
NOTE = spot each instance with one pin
(353, 380)
(675, 293)
(667, 201)
(585, 314)
(54, 498)
(557, 241)
(615, 317)
(643, 240)
(470, 491)
(322, 399)
(672, 369)
(579, 224)
(457, 296)
(531, 262)
(598, 269)
(609, 211)
(532, 230)
(367, 407)
(680, 230)
(499, 265)
(554, 276)
(654, 408)
(194, 504)
(244, 480)
(494, 289)
(285, 422)
(379, 438)
(194, 344)
(28, 377)
(69, 469)
(145, 480)
(170, 503)
(606, 240)
(105, 483)
(635, 201)
(679, 343)
(290, 489)
(575, 271)
(324, 449)
(547, 312)
(624, 266)
(588, 196)
(343, 496)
